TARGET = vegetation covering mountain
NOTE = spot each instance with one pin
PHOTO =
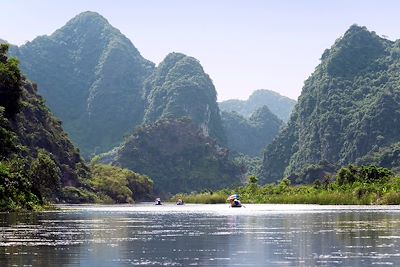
(348, 108)
(280, 105)
(250, 136)
(36, 156)
(178, 157)
(180, 88)
(91, 76)
(387, 157)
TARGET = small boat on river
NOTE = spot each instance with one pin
(234, 201)
(158, 201)
(180, 202)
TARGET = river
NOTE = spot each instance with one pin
(202, 235)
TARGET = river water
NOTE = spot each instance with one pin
(202, 235)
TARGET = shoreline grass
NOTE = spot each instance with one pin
(379, 192)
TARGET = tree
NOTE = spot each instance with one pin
(252, 179)
(10, 82)
(363, 174)
(46, 175)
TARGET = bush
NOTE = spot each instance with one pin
(45, 175)
(120, 185)
(15, 188)
(363, 174)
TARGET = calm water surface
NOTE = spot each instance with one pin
(203, 235)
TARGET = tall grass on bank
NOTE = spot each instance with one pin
(379, 192)
(202, 198)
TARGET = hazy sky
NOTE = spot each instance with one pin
(243, 45)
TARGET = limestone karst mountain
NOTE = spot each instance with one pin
(348, 109)
(91, 76)
(280, 105)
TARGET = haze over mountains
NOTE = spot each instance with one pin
(280, 105)
(98, 84)
(164, 121)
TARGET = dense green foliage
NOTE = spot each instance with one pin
(15, 187)
(348, 108)
(249, 165)
(280, 105)
(362, 174)
(120, 185)
(250, 136)
(10, 82)
(354, 185)
(91, 77)
(387, 157)
(36, 156)
(177, 156)
(310, 173)
(180, 88)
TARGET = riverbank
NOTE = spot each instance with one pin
(365, 185)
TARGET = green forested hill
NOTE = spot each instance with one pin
(179, 142)
(36, 157)
(91, 76)
(280, 105)
(178, 157)
(179, 87)
(250, 136)
(349, 107)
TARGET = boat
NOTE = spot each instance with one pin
(180, 202)
(234, 201)
(158, 201)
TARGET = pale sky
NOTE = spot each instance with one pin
(243, 45)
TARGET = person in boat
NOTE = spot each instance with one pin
(179, 202)
(234, 201)
(158, 201)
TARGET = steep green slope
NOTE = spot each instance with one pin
(387, 157)
(348, 108)
(178, 157)
(280, 105)
(180, 88)
(36, 156)
(250, 136)
(91, 77)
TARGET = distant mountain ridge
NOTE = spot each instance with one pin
(251, 135)
(280, 105)
(348, 111)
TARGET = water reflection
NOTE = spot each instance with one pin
(204, 235)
